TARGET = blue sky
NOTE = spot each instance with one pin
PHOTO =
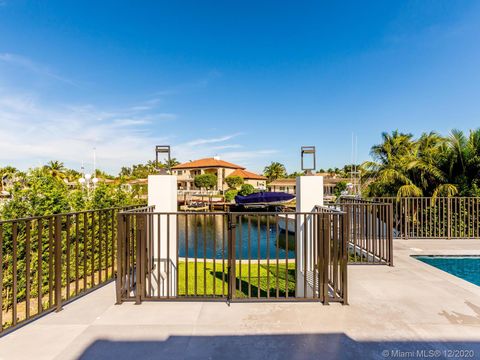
(249, 81)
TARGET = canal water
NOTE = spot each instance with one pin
(255, 238)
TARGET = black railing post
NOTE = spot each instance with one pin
(58, 263)
(119, 277)
(390, 234)
(405, 209)
(232, 224)
(326, 256)
(345, 241)
(319, 255)
(449, 218)
(138, 261)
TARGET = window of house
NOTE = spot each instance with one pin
(282, 188)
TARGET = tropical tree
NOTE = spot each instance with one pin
(275, 171)
(339, 188)
(295, 174)
(8, 176)
(206, 181)
(463, 161)
(56, 169)
(246, 189)
(387, 174)
(403, 166)
(233, 182)
(171, 163)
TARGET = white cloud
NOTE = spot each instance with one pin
(212, 140)
(33, 66)
(32, 132)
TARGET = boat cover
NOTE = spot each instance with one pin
(263, 197)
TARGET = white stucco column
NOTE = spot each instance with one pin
(162, 193)
(309, 194)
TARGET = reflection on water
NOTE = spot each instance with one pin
(255, 238)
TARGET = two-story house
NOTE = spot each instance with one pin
(186, 173)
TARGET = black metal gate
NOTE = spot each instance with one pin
(232, 256)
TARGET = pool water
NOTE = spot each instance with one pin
(464, 267)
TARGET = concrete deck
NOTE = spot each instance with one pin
(393, 312)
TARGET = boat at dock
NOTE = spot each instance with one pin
(195, 206)
(287, 223)
(263, 199)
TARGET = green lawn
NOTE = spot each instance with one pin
(262, 279)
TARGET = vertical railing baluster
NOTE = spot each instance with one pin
(67, 236)
(268, 256)
(224, 224)
(177, 247)
(40, 266)
(186, 254)
(119, 285)
(204, 228)
(100, 238)
(14, 273)
(27, 269)
(168, 257)
(195, 242)
(214, 254)
(50, 261)
(58, 263)
(258, 258)
(249, 254)
(286, 254)
(277, 260)
(1, 277)
(92, 250)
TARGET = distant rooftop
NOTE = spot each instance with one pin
(208, 163)
(244, 174)
(281, 182)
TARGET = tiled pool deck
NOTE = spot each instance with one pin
(393, 312)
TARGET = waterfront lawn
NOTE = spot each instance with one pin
(212, 280)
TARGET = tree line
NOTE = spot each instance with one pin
(430, 165)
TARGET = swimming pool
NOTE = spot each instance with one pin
(464, 267)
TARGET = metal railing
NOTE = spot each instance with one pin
(371, 230)
(434, 218)
(232, 256)
(49, 260)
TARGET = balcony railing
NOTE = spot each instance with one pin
(49, 260)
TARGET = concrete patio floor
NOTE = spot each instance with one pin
(393, 312)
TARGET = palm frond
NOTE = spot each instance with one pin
(409, 190)
(447, 190)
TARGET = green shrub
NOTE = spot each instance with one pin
(246, 189)
(230, 195)
(206, 181)
(341, 186)
(233, 182)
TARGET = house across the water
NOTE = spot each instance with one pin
(186, 173)
(290, 185)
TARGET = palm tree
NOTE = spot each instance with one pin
(427, 169)
(171, 163)
(388, 173)
(56, 169)
(405, 167)
(275, 171)
(463, 163)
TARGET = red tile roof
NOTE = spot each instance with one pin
(207, 163)
(244, 174)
